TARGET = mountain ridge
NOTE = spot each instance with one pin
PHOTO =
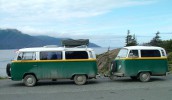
(15, 39)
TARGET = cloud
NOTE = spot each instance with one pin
(41, 13)
(62, 18)
(63, 9)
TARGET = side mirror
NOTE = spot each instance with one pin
(19, 58)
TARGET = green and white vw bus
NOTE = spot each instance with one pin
(139, 62)
(49, 62)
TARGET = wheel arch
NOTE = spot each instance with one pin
(79, 74)
(30, 73)
(142, 71)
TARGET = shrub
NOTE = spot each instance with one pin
(170, 57)
(1, 77)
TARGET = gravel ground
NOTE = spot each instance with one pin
(159, 88)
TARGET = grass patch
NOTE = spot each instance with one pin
(2, 77)
(169, 61)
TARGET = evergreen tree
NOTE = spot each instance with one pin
(131, 40)
(134, 41)
(167, 44)
(128, 38)
(156, 41)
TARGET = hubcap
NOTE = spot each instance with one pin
(80, 78)
(29, 80)
(144, 76)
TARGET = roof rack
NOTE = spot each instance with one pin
(80, 43)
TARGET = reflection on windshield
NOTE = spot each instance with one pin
(122, 53)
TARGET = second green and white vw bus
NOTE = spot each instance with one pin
(49, 62)
(140, 62)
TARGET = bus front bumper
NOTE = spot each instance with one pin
(168, 73)
(118, 74)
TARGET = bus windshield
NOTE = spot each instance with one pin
(122, 53)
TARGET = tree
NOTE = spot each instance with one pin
(167, 44)
(156, 41)
(131, 40)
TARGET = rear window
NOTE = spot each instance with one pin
(76, 55)
(51, 55)
(150, 53)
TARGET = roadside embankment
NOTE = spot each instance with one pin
(104, 60)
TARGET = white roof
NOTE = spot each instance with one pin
(54, 49)
(143, 47)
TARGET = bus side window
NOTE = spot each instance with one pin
(56, 55)
(150, 53)
(28, 56)
(51, 55)
(43, 55)
(133, 53)
(76, 55)
(59, 55)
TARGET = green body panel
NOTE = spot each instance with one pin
(53, 69)
(132, 67)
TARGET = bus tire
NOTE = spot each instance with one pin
(8, 69)
(30, 80)
(80, 79)
(144, 76)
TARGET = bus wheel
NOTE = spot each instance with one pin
(80, 79)
(144, 76)
(29, 80)
(8, 70)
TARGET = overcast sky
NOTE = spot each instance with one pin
(104, 22)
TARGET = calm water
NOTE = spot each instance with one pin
(7, 55)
